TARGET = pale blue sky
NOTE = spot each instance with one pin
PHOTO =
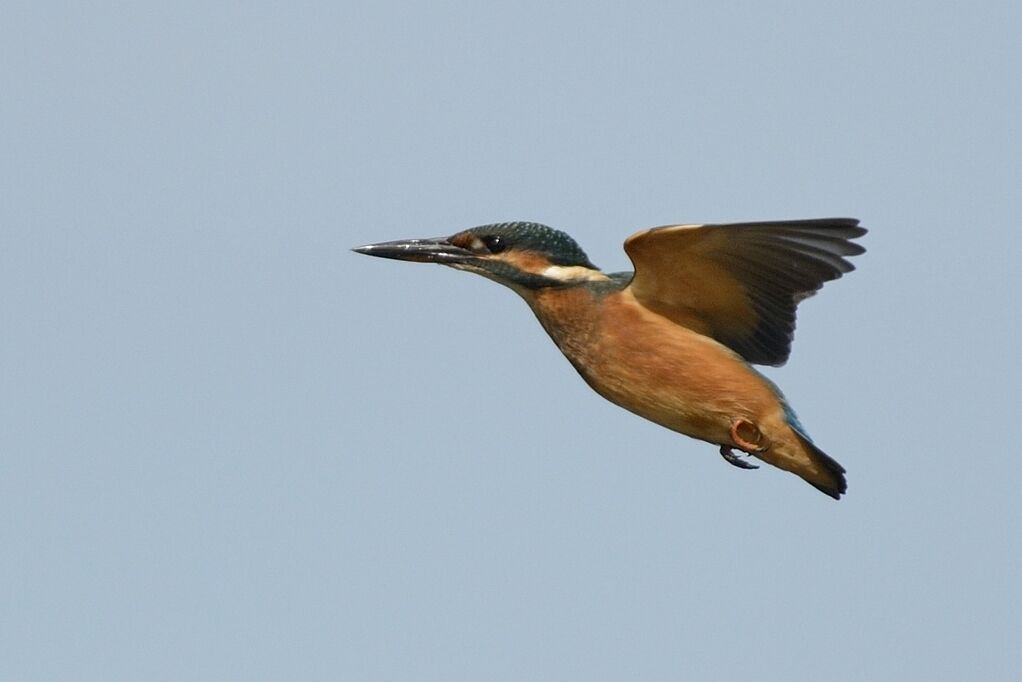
(233, 450)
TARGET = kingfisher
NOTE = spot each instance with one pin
(674, 341)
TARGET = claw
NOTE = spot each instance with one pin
(731, 458)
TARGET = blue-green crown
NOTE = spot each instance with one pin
(557, 246)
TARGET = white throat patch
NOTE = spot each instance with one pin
(573, 273)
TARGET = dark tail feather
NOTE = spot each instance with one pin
(830, 476)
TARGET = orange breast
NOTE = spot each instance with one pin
(651, 366)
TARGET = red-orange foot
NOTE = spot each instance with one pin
(748, 437)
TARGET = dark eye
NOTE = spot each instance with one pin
(494, 243)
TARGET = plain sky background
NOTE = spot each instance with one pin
(231, 449)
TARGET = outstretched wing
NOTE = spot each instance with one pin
(740, 283)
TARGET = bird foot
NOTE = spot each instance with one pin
(731, 458)
(746, 437)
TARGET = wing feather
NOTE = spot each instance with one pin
(740, 283)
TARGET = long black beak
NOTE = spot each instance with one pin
(418, 250)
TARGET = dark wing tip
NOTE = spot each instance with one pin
(785, 262)
(779, 262)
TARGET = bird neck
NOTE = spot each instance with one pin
(568, 314)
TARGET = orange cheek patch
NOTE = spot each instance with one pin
(466, 240)
(525, 261)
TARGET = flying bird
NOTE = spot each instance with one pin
(675, 341)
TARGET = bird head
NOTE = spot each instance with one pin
(521, 255)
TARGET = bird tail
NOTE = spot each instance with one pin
(824, 474)
(799, 455)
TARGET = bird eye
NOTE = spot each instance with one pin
(494, 243)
